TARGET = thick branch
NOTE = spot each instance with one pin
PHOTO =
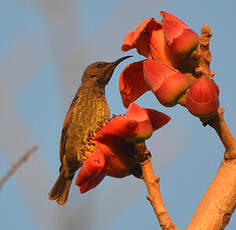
(17, 165)
(218, 204)
(153, 187)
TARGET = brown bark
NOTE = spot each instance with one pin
(154, 196)
(153, 187)
(218, 204)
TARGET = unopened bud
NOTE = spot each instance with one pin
(203, 97)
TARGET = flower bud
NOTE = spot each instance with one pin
(203, 97)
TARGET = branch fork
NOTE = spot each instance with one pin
(217, 205)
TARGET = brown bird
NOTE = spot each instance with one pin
(88, 108)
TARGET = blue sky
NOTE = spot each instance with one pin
(44, 48)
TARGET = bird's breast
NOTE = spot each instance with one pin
(89, 110)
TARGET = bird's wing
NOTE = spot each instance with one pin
(66, 125)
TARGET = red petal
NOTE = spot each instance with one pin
(132, 84)
(155, 72)
(91, 183)
(135, 112)
(91, 168)
(139, 38)
(172, 89)
(159, 50)
(118, 126)
(149, 40)
(171, 17)
(181, 39)
(172, 30)
(172, 26)
(148, 120)
(157, 118)
(144, 129)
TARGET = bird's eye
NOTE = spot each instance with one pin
(100, 65)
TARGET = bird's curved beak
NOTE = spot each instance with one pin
(111, 67)
(115, 63)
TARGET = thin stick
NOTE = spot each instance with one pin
(17, 165)
(153, 187)
(224, 134)
(154, 196)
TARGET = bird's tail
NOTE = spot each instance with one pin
(60, 189)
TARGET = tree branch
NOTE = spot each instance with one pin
(153, 187)
(17, 165)
(226, 137)
(219, 202)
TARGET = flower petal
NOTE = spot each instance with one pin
(132, 84)
(173, 25)
(167, 83)
(91, 183)
(119, 165)
(155, 72)
(136, 112)
(181, 39)
(141, 35)
(118, 126)
(148, 121)
(144, 129)
(172, 89)
(149, 40)
(91, 168)
(157, 119)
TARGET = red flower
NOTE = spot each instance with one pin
(149, 40)
(180, 38)
(132, 84)
(169, 42)
(166, 41)
(203, 97)
(115, 145)
(167, 83)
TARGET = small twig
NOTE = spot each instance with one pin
(226, 137)
(203, 54)
(17, 165)
(153, 187)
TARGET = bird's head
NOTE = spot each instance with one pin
(99, 73)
